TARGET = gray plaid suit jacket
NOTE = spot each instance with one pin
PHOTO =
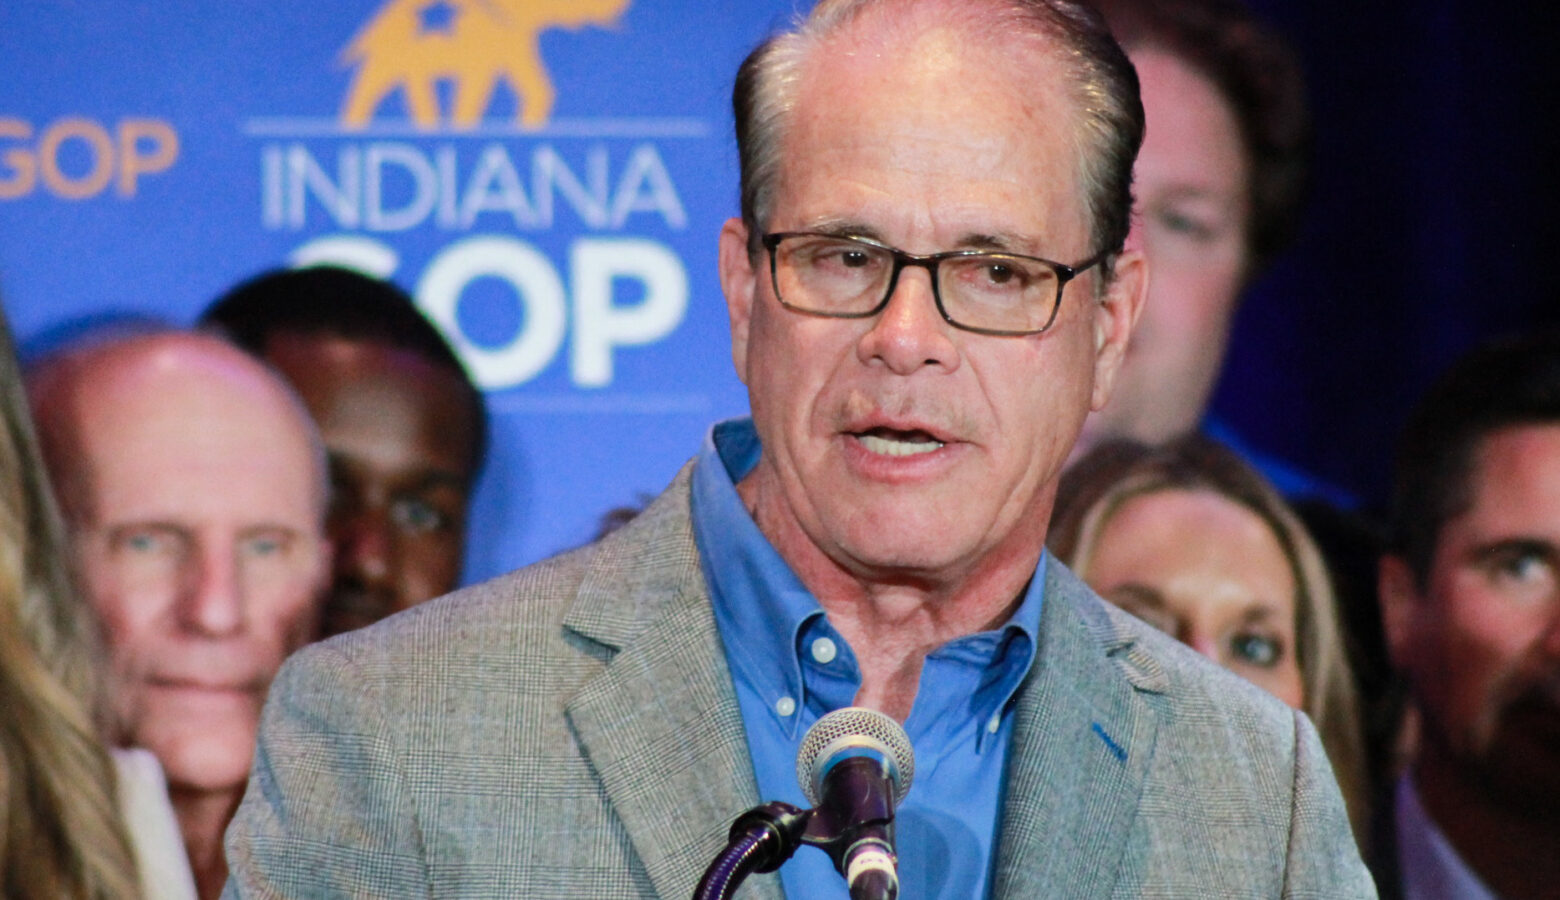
(570, 730)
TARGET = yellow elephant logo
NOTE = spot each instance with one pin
(414, 44)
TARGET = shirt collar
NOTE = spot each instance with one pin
(765, 614)
(1431, 867)
(761, 607)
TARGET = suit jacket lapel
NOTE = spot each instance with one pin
(660, 724)
(1082, 740)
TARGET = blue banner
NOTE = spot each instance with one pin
(547, 178)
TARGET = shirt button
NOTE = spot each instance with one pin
(785, 706)
(824, 651)
(995, 723)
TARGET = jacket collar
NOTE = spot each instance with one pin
(1083, 738)
(659, 723)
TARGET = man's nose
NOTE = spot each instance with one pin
(910, 332)
(1550, 641)
(214, 597)
(365, 547)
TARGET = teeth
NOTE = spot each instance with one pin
(891, 447)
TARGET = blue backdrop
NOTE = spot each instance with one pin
(153, 153)
(562, 230)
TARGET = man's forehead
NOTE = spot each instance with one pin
(982, 149)
(151, 480)
(183, 416)
(1519, 462)
(934, 58)
(1510, 490)
(196, 450)
(343, 354)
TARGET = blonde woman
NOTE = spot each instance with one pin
(62, 825)
(1191, 539)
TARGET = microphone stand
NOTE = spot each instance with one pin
(764, 837)
(760, 840)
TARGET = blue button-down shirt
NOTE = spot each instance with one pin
(791, 666)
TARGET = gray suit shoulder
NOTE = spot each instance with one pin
(1200, 688)
(390, 758)
(612, 588)
(1236, 773)
(498, 613)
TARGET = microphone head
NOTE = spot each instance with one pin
(854, 731)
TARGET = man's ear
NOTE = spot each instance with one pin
(320, 579)
(1397, 591)
(324, 564)
(1115, 316)
(738, 282)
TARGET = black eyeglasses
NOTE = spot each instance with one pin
(848, 277)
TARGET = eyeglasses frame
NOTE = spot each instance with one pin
(929, 262)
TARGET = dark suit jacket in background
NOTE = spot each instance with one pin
(570, 730)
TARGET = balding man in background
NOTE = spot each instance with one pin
(194, 487)
(403, 423)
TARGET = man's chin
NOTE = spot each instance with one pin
(905, 555)
(350, 607)
(1522, 763)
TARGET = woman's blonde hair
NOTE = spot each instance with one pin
(61, 832)
(1097, 486)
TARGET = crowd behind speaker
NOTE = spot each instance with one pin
(186, 508)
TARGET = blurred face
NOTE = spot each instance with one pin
(401, 438)
(1211, 573)
(203, 556)
(1192, 183)
(1481, 641)
(899, 442)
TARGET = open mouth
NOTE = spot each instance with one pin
(891, 442)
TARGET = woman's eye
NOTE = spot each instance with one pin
(1257, 649)
(1131, 599)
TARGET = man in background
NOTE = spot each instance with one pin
(193, 486)
(1219, 186)
(1470, 599)
(1219, 190)
(402, 422)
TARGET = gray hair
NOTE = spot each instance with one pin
(1103, 84)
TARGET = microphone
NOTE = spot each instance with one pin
(855, 766)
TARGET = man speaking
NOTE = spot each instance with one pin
(928, 293)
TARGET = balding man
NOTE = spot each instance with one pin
(193, 484)
(927, 292)
(402, 421)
